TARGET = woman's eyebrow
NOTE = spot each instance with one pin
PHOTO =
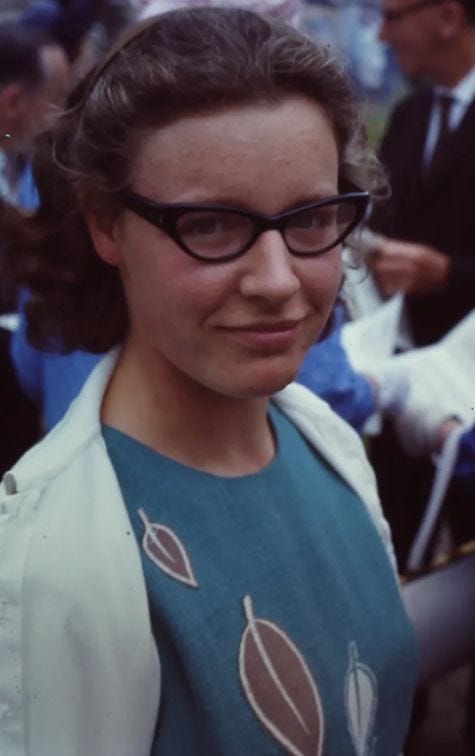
(308, 199)
(300, 201)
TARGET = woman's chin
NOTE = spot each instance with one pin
(266, 385)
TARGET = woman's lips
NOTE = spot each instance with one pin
(265, 336)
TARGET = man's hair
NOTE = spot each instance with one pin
(182, 63)
(20, 59)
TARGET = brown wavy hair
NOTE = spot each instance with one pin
(183, 62)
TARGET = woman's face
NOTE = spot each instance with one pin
(239, 328)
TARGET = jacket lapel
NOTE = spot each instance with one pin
(460, 145)
(419, 126)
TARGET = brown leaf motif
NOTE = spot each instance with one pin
(166, 550)
(279, 686)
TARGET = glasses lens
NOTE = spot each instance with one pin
(320, 227)
(213, 234)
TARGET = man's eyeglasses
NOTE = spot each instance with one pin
(217, 233)
(389, 15)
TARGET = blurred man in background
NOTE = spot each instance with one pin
(34, 78)
(429, 150)
(427, 226)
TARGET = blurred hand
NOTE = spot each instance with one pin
(390, 388)
(444, 430)
(424, 421)
(407, 267)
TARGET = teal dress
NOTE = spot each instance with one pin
(276, 613)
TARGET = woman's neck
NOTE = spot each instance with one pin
(169, 412)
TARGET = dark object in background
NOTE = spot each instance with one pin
(69, 21)
(19, 417)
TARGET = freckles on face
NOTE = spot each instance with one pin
(240, 327)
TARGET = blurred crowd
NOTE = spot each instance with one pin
(418, 243)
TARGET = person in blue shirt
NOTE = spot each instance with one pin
(33, 73)
(34, 78)
(51, 380)
(327, 371)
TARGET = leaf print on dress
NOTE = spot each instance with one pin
(361, 699)
(279, 686)
(166, 551)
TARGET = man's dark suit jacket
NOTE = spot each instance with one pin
(439, 211)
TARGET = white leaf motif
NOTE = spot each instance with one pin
(361, 698)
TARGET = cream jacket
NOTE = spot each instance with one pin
(79, 668)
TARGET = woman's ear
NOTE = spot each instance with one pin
(102, 222)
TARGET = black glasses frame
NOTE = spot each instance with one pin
(388, 16)
(165, 216)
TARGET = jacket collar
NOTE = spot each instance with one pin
(459, 147)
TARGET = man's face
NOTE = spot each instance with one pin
(414, 35)
(53, 91)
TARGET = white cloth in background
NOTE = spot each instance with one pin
(290, 11)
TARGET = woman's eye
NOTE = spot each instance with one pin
(313, 219)
(201, 226)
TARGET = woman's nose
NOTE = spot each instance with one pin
(270, 269)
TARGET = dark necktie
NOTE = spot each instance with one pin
(445, 103)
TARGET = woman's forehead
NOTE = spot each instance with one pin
(237, 124)
(229, 150)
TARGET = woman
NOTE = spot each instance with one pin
(189, 567)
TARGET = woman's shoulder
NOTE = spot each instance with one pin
(340, 445)
(304, 407)
(334, 438)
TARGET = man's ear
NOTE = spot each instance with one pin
(15, 104)
(13, 100)
(453, 17)
(102, 223)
